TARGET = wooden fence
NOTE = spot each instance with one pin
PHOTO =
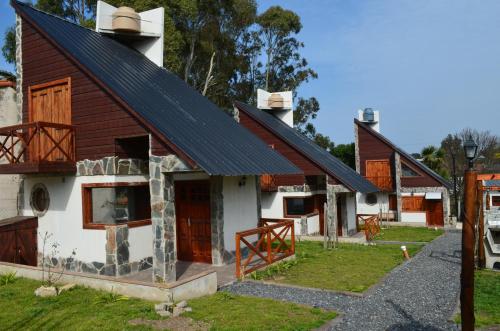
(371, 225)
(271, 245)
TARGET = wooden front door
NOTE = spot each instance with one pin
(319, 205)
(379, 173)
(339, 217)
(192, 209)
(434, 210)
(50, 102)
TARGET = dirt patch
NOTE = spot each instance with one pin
(174, 324)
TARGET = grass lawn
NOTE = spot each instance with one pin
(487, 298)
(350, 267)
(84, 309)
(408, 233)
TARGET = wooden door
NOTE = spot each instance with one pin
(50, 102)
(192, 208)
(434, 210)
(379, 173)
(18, 242)
(319, 205)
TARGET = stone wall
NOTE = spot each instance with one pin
(161, 185)
(399, 201)
(217, 219)
(112, 165)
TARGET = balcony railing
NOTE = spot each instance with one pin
(382, 182)
(268, 183)
(32, 147)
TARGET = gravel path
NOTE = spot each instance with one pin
(418, 295)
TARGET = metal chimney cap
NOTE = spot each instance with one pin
(126, 19)
(276, 101)
(368, 115)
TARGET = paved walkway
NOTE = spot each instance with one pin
(418, 295)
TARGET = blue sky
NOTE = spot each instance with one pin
(430, 66)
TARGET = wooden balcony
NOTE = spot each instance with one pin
(268, 183)
(38, 147)
(384, 183)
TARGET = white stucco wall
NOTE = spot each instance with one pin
(9, 184)
(351, 212)
(240, 208)
(364, 208)
(272, 203)
(64, 218)
(414, 217)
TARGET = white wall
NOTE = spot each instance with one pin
(64, 218)
(364, 208)
(272, 203)
(415, 217)
(9, 184)
(351, 211)
(240, 208)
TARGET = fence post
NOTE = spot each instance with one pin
(293, 237)
(269, 250)
(238, 256)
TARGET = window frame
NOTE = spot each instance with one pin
(87, 205)
(418, 174)
(285, 206)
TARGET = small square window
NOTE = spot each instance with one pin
(300, 206)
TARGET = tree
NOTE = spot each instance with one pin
(433, 157)
(345, 153)
(9, 47)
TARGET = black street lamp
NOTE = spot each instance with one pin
(468, 238)
(470, 149)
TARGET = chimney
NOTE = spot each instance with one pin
(370, 117)
(279, 104)
(142, 31)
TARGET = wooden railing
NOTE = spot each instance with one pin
(371, 225)
(268, 183)
(270, 245)
(382, 182)
(37, 142)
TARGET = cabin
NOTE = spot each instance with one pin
(123, 163)
(326, 184)
(9, 184)
(409, 191)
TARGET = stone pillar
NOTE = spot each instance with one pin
(117, 252)
(217, 219)
(331, 199)
(399, 201)
(356, 149)
(446, 207)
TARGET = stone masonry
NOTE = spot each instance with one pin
(112, 165)
(161, 185)
(217, 219)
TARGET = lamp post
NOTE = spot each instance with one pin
(467, 274)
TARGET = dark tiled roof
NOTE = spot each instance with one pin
(188, 120)
(330, 164)
(406, 155)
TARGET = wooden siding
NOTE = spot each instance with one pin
(305, 164)
(372, 148)
(99, 119)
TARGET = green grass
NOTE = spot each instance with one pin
(487, 298)
(226, 311)
(407, 233)
(87, 309)
(350, 267)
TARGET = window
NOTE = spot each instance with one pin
(295, 207)
(408, 172)
(132, 147)
(371, 199)
(495, 200)
(115, 203)
(39, 200)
